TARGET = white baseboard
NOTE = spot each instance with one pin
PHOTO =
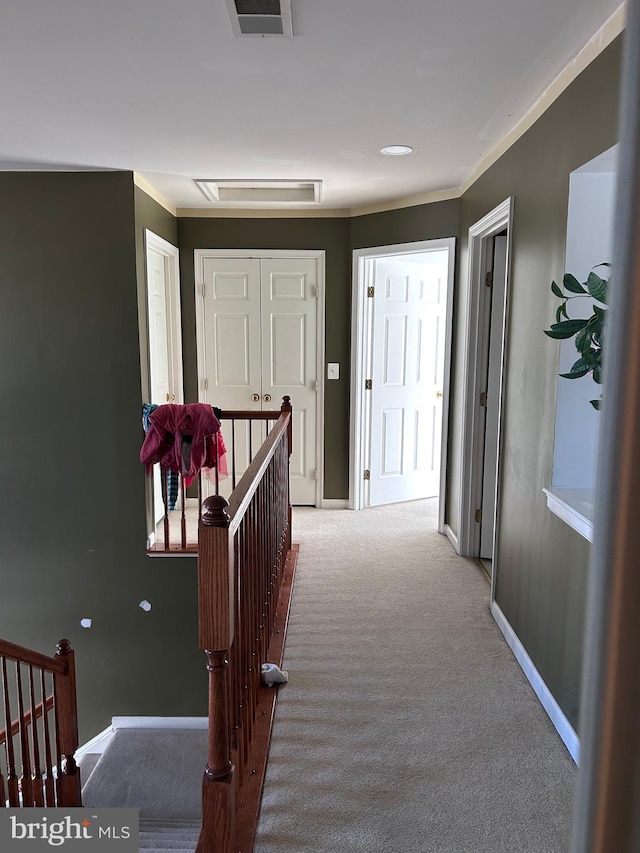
(451, 536)
(335, 504)
(557, 717)
(159, 723)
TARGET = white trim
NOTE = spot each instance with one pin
(97, 744)
(334, 504)
(556, 715)
(451, 536)
(265, 254)
(471, 443)
(153, 193)
(172, 254)
(360, 346)
(159, 723)
(566, 504)
(265, 213)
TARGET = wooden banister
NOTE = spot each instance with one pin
(44, 688)
(243, 546)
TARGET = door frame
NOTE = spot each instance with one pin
(361, 330)
(268, 254)
(472, 436)
(171, 253)
(174, 332)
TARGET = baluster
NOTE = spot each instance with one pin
(25, 777)
(164, 478)
(12, 777)
(49, 785)
(183, 514)
(38, 798)
(66, 726)
(233, 453)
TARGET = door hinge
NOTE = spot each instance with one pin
(205, 384)
(478, 515)
(371, 291)
(368, 384)
(366, 474)
(204, 290)
(316, 386)
(488, 279)
(483, 398)
(315, 291)
(315, 474)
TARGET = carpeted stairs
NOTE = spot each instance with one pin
(158, 771)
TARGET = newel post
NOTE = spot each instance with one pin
(287, 407)
(215, 630)
(66, 725)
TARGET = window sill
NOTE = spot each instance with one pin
(574, 507)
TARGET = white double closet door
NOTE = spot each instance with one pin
(257, 343)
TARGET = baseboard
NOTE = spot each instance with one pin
(159, 723)
(557, 717)
(451, 536)
(335, 504)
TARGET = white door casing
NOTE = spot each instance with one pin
(492, 408)
(409, 307)
(259, 322)
(362, 439)
(471, 447)
(163, 334)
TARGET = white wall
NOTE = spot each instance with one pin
(589, 242)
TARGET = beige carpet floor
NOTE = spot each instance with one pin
(407, 725)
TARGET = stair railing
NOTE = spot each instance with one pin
(243, 547)
(40, 734)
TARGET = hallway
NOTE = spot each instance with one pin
(407, 725)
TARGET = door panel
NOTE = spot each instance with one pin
(407, 374)
(260, 339)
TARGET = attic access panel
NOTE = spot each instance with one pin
(260, 17)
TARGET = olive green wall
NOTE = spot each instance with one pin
(72, 527)
(542, 567)
(338, 237)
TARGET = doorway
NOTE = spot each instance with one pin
(259, 338)
(164, 339)
(402, 307)
(485, 317)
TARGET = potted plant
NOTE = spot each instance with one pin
(589, 332)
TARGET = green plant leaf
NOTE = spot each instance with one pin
(597, 404)
(572, 284)
(597, 287)
(555, 289)
(597, 374)
(599, 312)
(565, 329)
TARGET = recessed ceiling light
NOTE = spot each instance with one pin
(396, 150)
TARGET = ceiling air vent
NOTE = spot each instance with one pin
(260, 17)
(254, 192)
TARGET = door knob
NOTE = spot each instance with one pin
(439, 395)
(267, 398)
(170, 397)
(255, 397)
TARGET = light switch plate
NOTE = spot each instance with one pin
(333, 370)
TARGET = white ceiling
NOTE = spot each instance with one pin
(164, 88)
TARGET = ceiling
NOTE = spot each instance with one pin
(164, 88)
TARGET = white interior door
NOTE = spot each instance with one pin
(407, 375)
(164, 336)
(492, 409)
(259, 341)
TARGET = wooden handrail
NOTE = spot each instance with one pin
(243, 547)
(11, 651)
(41, 707)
